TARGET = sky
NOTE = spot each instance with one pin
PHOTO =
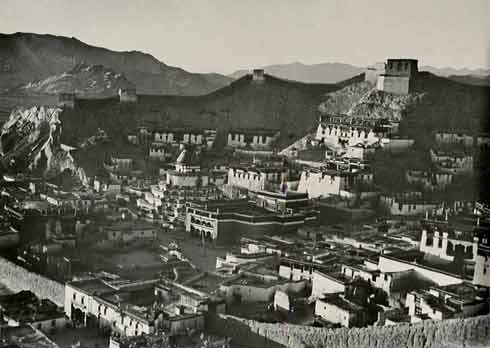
(225, 35)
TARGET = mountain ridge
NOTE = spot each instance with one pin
(28, 57)
(333, 72)
(85, 81)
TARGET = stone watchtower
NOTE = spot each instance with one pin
(398, 75)
(66, 100)
(258, 75)
(127, 95)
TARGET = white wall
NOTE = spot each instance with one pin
(332, 313)
(481, 274)
(322, 284)
(318, 184)
(389, 265)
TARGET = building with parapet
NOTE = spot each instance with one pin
(255, 138)
(159, 151)
(229, 220)
(256, 178)
(407, 203)
(258, 75)
(445, 245)
(188, 172)
(335, 179)
(431, 181)
(454, 138)
(455, 162)
(449, 301)
(185, 135)
(335, 130)
(398, 76)
(131, 308)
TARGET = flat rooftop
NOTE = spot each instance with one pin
(250, 280)
(426, 261)
(206, 282)
(284, 195)
(92, 286)
(464, 291)
(342, 303)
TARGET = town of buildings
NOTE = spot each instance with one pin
(153, 246)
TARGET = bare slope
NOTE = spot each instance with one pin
(26, 57)
(86, 81)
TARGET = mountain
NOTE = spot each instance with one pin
(316, 73)
(448, 71)
(336, 72)
(26, 57)
(86, 81)
(472, 79)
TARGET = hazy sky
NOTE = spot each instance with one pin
(223, 36)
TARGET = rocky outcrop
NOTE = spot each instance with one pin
(30, 140)
(378, 104)
(363, 100)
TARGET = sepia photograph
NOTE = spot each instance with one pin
(244, 174)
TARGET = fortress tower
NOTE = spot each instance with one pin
(398, 76)
(258, 75)
(127, 95)
(66, 100)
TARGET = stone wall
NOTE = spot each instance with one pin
(394, 84)
(17, 278)
(470, 332)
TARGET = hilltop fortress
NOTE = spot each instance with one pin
(395, 76)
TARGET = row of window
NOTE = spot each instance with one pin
(356, 134)
(53, 324)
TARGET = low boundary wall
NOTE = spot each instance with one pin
(452, 333)
(17, 278)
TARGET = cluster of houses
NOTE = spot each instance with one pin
(160, 141)
(367, 287)
(428, 260)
